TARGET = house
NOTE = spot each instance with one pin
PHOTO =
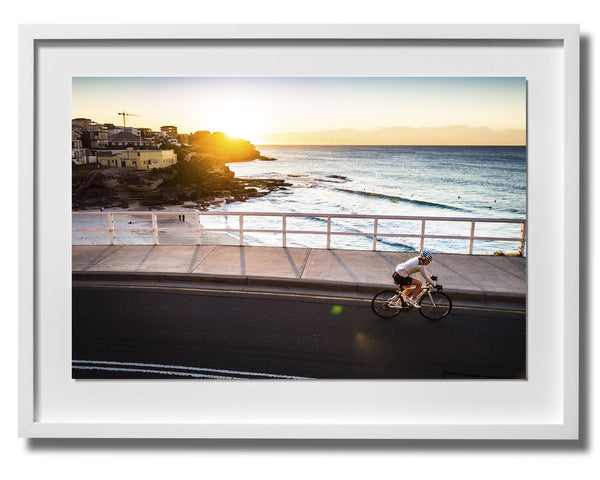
(79, 154)
(145, 132)
(169, 131)
(83, 123)
(138, 159)
(126, 139)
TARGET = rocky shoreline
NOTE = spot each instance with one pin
(197, 183)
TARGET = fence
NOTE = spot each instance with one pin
(240, 230)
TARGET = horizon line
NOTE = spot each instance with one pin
(381, 145)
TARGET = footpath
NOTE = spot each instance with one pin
(352, 273)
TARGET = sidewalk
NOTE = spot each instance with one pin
(479, 278)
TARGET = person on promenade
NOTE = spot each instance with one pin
(402, 276)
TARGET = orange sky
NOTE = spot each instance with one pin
(317, 110)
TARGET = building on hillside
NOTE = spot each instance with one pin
(138, 159)
(94, 139)
(169, 131)
(83, 123)
(145, 132)
(126, 139)
(79, 154)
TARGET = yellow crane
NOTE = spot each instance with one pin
(127, 114)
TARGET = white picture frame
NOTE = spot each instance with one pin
(545, 406)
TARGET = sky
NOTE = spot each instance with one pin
(316, 110)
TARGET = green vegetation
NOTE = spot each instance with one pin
(196, 172)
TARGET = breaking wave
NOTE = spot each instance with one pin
(398, 199)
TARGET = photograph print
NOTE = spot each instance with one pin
(299, 228)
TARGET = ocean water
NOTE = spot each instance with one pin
(423, 181)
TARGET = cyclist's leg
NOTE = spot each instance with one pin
(416, 284)
(402, 283)
(407, 290)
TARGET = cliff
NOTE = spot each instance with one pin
(202, 179)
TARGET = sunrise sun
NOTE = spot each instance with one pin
(237, 122)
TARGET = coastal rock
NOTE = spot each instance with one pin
(199, 180)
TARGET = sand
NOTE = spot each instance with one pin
(173, 230)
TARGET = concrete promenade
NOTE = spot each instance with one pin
(479, 278)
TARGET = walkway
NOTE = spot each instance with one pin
(471, 277)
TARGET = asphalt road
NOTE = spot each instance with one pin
(158, 332)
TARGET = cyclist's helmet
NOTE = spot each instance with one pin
(426, 255)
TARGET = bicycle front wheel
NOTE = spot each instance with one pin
(381, 304)
(435, 305)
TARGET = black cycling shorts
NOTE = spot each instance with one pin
(400, 280)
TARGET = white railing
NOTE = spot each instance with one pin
(240, 230)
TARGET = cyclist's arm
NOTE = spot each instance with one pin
(426, 275)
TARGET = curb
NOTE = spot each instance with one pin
(353, 288)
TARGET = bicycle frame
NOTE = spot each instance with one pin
(426, 290)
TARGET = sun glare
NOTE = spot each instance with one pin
(237, 122)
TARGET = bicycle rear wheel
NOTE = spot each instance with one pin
(435, 305)
(381, 304)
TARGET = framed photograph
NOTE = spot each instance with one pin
(299, 162)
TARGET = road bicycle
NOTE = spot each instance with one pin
(435, 304)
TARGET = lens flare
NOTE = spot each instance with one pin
(336, 309)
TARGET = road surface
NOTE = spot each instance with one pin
(154, 331)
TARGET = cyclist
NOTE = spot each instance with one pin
(403, 272)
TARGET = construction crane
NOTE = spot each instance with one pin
(127, 114)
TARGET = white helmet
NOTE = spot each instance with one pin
(426, 255)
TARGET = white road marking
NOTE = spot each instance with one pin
(159, 372)
(114, 365)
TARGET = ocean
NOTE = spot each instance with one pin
(439, 182)
(421, 181)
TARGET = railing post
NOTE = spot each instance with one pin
(422, 243)
(375, 234)
(198, 237)
(241, 229)
(471, 237)
(328, 233)
(522, 242)
(283, 230)
(154, 229)
(111, 228)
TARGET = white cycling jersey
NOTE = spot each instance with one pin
(411, 267)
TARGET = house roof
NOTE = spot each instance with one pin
(124, 137)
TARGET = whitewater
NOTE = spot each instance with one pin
(421, 181)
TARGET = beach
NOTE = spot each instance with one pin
(185, 233)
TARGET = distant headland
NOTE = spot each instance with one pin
(199, 176)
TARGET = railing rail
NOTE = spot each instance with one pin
(375, 232)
